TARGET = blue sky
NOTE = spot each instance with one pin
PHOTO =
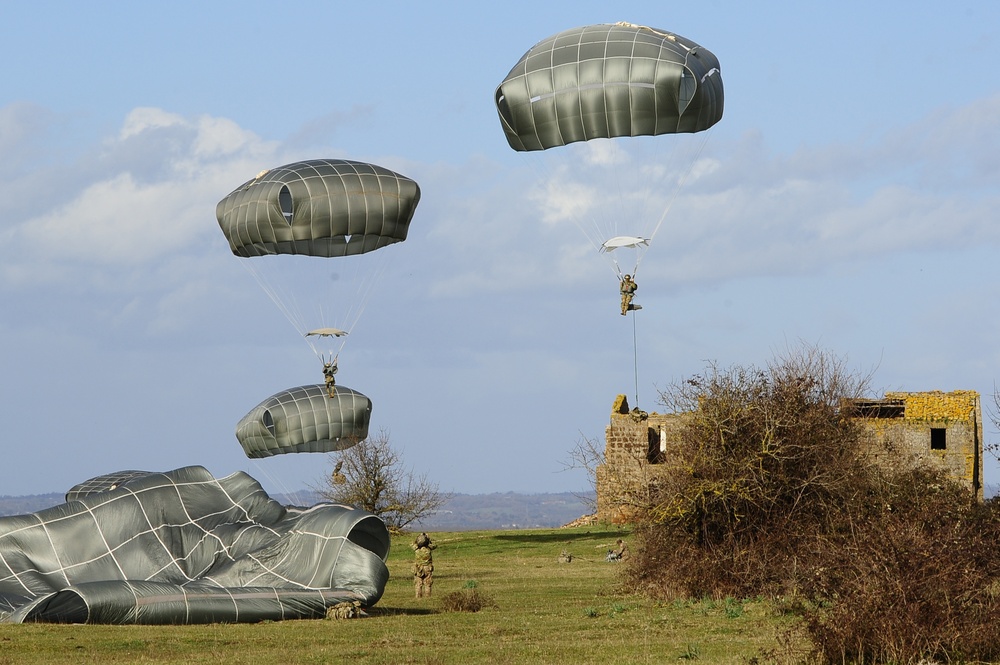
(848, 199)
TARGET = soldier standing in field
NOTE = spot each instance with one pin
(423, 565)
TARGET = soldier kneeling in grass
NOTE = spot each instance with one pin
(620, 553)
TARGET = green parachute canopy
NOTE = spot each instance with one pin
(308, 233)
(606, 81)
(629, 85)
(319, 207)
(305, 420)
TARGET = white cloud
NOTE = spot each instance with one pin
(220, 137)
(155, 195)
(114, 221)
(561, 201)
(143, 119)
(749, 212)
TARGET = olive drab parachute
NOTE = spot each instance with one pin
(607, 81)
(184, 547)
(311, 233)
(103, 483)
(320, 207)
(305, 420)
(620, 82)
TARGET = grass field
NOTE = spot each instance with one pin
(546, 612)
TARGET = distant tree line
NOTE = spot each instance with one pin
(22, 505)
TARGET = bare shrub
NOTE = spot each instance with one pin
(916, 581)
(776, 496)
(467, 600)
(769, 464)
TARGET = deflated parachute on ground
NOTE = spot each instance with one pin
(305, 420)
(104, 483)
(606, 81)
(320, 207)
(183, 547)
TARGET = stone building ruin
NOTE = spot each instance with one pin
(907, 428)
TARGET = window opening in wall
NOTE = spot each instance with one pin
(877, 408)
(938, 441)
(654, 451)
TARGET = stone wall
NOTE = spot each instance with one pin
(933, 428)
(943, 429)
(636, 456)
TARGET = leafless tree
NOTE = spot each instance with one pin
(587, 454)
(627, 485)
(994, 413)
(370, 475)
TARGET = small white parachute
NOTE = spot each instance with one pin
(623, 241)
(326, 332)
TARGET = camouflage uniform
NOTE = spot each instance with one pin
(329, 369)
(619, 554)
(349, 609)
(628, 288)
(423, 565)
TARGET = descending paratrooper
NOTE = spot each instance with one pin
(616, 82)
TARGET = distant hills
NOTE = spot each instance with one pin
(19, 505)
(509, 510)
(464, 512)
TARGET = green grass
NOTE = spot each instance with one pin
(546, 612)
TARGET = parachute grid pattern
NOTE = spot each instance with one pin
(105, 483)
(321, 207)
(305, 420)
(182, 547)
(607, 81)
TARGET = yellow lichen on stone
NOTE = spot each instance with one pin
(620, 405)
(938, 405)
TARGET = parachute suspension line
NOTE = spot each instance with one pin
(326, 354)
(367, 272)
(337, 293)
(365, 289)
(676, 191)
(548, 171)
(287, 304)
(614, 225)
(263, 470)
(618, 270)
(635, 361)
(281, 300)
(603, 218)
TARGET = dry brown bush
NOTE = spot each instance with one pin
(777, 498)
(467, 600)
(916, 581)
(769, 464)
